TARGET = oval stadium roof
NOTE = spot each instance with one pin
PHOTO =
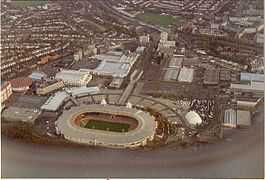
(193, 118)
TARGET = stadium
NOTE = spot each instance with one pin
(107, 125)
(95, 117)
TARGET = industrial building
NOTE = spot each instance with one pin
(257, 88)
(230, 118)
(74, 78)
(243, 118)
(116, 82)
(211, 76)
(171, 74)
(236, 118)
(29, 101)
(20, 114)
(248, 77)
(6, 91)
(176, 61)
(57, 100)
(43, 90)
(186, 75)
(115, 64)
(26, 108)
(38, 76)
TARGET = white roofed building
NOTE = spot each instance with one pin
(115, 64)
(193, 118)
(74, 78)
(186, 75)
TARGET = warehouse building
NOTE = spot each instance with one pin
(20, 114)
(230, 118)
(55, 101)
(29, 101)
(171, 74)
(243, 118)
(38, 76)
(26, 108)
(176, 61)
(248, 77)
(257, 88)
(186, 75)
(211, 76)
(115, 64)
(74, 78)
(50, 88)
(116, 82)
(237, 118)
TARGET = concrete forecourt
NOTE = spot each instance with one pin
(144, 131)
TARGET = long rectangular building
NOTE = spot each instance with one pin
(74, 78)
(186, 75)
(254, 87)
(251, 77)
(211, 76)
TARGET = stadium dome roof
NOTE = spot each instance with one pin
(193, 118)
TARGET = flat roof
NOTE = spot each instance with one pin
(243, 118)
(20, 114)
(251, 77)
(29, 101)
(83, 90)
(254, 86)
(55, 101)
(186, 75)
(113, 69)
(171, 74)
(71, 75)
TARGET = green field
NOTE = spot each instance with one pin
(157, 19)
(107, 126)
(26, 3)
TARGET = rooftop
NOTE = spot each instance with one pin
(251, 77)
(186, 75)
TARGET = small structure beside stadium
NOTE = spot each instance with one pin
(193, 118)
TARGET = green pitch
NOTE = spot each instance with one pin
(107, 126)
(26, 3)
(157, 19)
